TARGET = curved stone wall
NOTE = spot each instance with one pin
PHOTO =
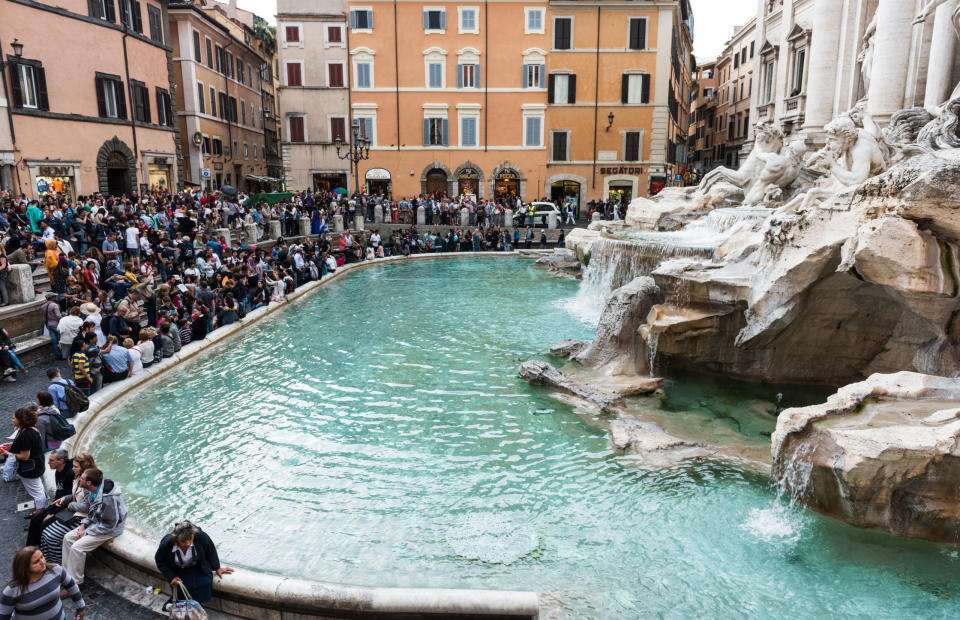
(257, 595)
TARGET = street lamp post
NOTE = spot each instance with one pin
(357, 150)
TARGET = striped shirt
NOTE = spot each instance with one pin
(41, 601)
(81, 366)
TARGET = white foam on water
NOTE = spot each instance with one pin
(496, 538)
(775, 524)
(582, 308)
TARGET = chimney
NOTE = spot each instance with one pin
(232, 9)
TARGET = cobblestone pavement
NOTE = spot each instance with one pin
(104, 605)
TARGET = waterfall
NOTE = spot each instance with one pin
(653, 342)
(619, 257)
(794, 479)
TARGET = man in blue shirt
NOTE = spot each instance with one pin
(58, 392)
(116, 361)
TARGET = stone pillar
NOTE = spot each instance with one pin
(223, 232)
(508, 218)
(378, 214)
(304, 226)
(274, 229)
(822, 81)
(357, 222)
(943, 48)
(20, 284)
(421, 216)
(464, 217)
(338, 223)
(551, 220)
(250, 234)
(891, 55)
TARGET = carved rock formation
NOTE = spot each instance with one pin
(568, 347)
(542, 373)
(883, 453)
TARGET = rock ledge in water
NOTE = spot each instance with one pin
(882, 453)
(651, 443)
(568, 347)
(542, 373)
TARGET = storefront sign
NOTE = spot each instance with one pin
(622, 170)
(378, 174)
(56, 171)
(606, 156)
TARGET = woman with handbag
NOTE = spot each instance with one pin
(27, 449)
(66, 513)
(187, 556)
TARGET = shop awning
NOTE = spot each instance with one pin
(258, 179)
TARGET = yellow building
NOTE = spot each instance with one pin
(218, 66)
(504, 99)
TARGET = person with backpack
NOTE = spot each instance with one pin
(67, 398)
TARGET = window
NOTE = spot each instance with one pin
(156, 26)
(253, 119)
(798, 61)
(434, 20)
(294, 73)
(534, 76)
(533, 20)
(435, 75)
(338, 128)
(532, 131)
(240, 71)
(435, 131)
(29, 86)
(334, 34)
(367, 127)
(752, 43)
(110, 98)
(164, 108)
(291, 34)
(197, 55)
(736, 60)
(243, 112)
(217, 147)
(469, 122)
(335, 75)
(768, 83)
(213, 101)
(255, 152)
(637, 37)
(562, 33)
(635, 88)
(232, 101)
(222, 105)
(361, 19)
(101, 9)
(468, 20)
(246, 151)
(562, 88)
(558, 148)
(205, 145)
(362, 73)
(296, 126)
(130, 15)
(468, 76)
(746, 122)
(209, 53)
(234, 152)
(631, 146)
(731, 127)
(219, 58)
(141, 101)
(743, 55)
(201, 99)
(228, 64)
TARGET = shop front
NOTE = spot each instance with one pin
(160, 172)
(621, 184)
(378, 181)
(329, 181)
(564, 191)
(506, 185)
(53, 178)
(468, 182)
(436, 182)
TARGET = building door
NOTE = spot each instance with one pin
(437, 182)
(117, 173)
(622, 194)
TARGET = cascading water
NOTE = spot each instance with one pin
(619, 257)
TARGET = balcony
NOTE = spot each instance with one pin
(793, 108)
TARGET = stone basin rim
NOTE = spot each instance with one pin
(269, 595)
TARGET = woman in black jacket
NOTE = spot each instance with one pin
(187, 556)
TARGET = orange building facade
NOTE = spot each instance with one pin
(501, 99)
(89, 96)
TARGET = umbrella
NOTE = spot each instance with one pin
(340, 190)
(229, 191)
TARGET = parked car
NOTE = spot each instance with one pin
(540, 212)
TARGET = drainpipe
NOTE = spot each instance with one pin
(348, 128)
(133, 121)
(486, 66)
(226, 92)
(396, 70)
(596, 103)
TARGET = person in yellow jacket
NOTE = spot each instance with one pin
(51, 259)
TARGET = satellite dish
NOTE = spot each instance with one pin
(197, 138)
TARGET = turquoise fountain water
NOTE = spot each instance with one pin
(376, 433)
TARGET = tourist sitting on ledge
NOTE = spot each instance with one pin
(188, 556)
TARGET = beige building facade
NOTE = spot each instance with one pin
(313, 93)
(87, 118)
(218, 64)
